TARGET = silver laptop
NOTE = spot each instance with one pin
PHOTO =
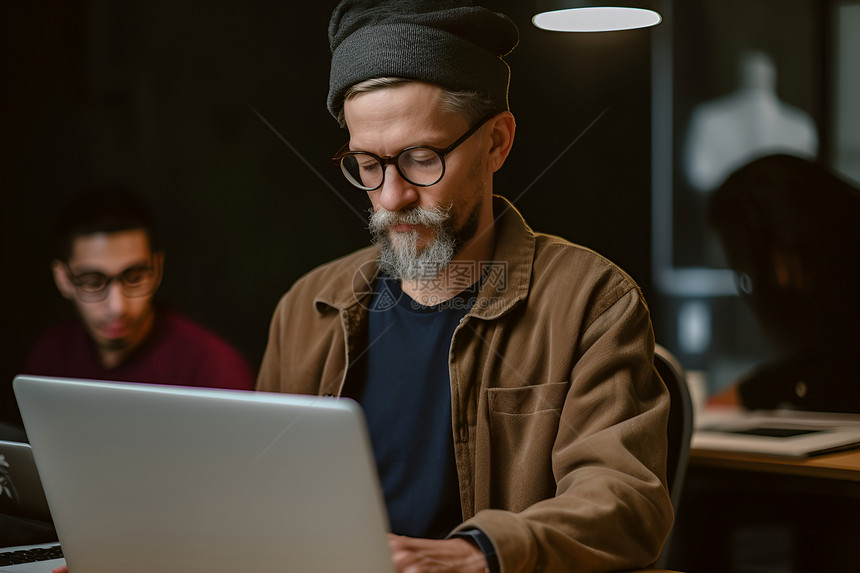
(143, 478)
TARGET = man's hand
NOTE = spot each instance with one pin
(456, 555)
(62, 569)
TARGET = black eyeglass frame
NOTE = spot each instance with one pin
(394, 159)
(102, 293)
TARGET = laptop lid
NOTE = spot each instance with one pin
(143, 478)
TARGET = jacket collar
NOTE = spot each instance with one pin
(506, 281)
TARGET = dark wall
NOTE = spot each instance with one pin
(162, 96)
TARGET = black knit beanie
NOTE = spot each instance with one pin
(449, 43)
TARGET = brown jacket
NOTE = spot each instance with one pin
(559, 418)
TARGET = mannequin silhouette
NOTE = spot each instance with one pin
(751, 122)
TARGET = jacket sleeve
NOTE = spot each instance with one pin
(611, 510)
(268, 376)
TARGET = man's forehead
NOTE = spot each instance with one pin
(111, 249)
(410, 111)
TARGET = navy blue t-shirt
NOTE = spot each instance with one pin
(407, 402)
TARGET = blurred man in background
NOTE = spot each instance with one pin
(108, 264)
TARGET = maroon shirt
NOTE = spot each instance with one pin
(177, 352)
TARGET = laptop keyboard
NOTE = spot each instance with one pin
(31, 555)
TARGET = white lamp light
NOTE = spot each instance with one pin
(596, 19)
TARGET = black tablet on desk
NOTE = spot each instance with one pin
(783, 433)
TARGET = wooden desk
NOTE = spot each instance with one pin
(816, 498)
(839, 466)
(830, 473)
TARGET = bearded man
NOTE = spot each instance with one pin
(507, 376)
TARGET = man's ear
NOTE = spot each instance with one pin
(158, 266)
(61, 279)
(502, 128)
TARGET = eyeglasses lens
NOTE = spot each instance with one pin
(363, 170)
(418, 165)
(135, 282)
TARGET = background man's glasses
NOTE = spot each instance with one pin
(134, 281)
(420, 165)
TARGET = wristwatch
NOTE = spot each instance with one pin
(486, 546)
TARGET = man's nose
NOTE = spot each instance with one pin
(396, 193)
(116, 300)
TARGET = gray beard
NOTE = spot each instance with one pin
(400, 258)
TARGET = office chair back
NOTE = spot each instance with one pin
(679, 430)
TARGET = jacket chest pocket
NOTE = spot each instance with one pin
(524, 423)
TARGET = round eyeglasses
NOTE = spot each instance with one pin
(135, 281)
(420, 165)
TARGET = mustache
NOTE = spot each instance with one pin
(383, 219)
